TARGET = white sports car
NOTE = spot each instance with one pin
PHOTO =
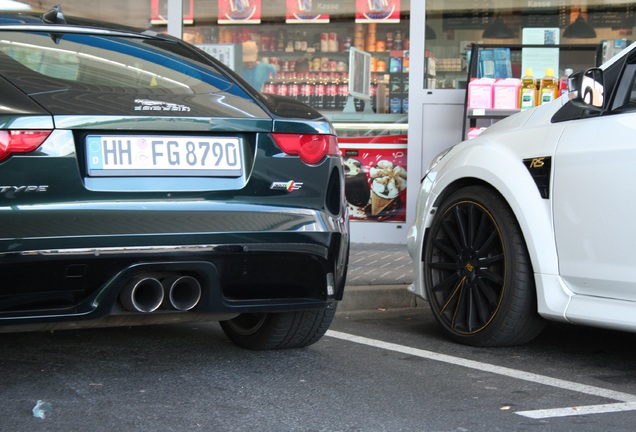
(535, 218)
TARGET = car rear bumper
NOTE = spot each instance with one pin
(258, 272)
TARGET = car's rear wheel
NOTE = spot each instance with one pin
(263, 331)
(477, 271)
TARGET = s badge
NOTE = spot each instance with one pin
(288, 186)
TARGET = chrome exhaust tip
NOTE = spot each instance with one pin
(143, 294)
(183, 292)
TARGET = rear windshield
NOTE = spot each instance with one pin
(81, 64)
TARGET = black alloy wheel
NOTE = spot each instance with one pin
(477, 271)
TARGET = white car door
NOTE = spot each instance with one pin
(595, 204)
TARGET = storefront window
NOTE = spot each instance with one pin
(310, 51)
(453, 27)
(311, 56)
(308, 44)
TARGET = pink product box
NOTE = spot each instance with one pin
(474, 132)
(480, 93)
(506, 93)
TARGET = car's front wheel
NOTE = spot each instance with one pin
(264, 331)
(477, 271)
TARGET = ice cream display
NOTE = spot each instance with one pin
(356, 185)
(375, 171)
(387, 181)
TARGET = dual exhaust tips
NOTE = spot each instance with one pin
(147, 294)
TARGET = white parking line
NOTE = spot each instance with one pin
(579, 410)
(628, 401)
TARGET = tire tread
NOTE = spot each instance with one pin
(286, 330)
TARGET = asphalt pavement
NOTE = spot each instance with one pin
(377, 278)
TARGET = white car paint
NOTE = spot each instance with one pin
(10, 5)
(581, 238)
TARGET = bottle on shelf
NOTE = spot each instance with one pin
(331, 92)
(382, 94)
(280, 41)
(389, 41)
(305, 89)
(304, 42)
(563, 82)
(343, 91)
(374, 91)
(281, 85)
(293, 87)
(270, 87)
(297, 41)
(549, 87)
(318, 93)
(528, 91)
(324, 42)
(398, 43)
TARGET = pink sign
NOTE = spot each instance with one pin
(239, 11)
(305, 11)
(379, 11)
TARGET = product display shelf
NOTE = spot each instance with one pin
(484, 117)
(306, 54)
(585, 55)
(370, 125)
(317, 59)
(370, 120)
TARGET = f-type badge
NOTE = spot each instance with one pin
(288, 186)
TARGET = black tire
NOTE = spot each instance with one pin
(477, 271)
(267, 331)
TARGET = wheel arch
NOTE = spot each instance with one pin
(513, 183)
(537, 229)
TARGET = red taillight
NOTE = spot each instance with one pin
(21, 141)
(309, 147)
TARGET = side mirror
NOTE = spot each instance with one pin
(586, 89)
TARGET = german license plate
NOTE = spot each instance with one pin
(120, 155)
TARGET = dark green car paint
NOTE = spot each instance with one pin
(70, 242)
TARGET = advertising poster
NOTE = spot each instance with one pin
(540, 59)
(375, 177)
(239, 12)
(305, 11)
(378, 11)
(225, 53)
(159, 12)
